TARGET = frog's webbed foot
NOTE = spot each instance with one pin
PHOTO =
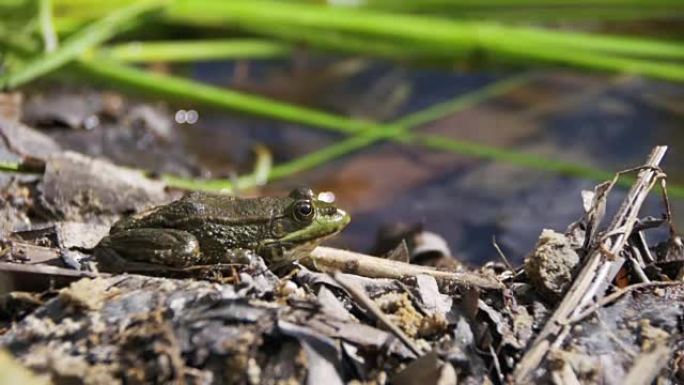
(166, 247)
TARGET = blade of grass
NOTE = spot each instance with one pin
(448, 33)
(47, 27)
(258, 177)
(182, 51)
(440, 110)
(553, 15)
(76, 45)
(355, 142)
(411, 50)
(331, 40)
(417, 5)
(185, 89)
(419, 36)
(602, 10)
(596, 61)
(411, 121)
(477, 150)
(511, 43)
(84, 9)
(439, 142)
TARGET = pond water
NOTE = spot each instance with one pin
(605, 121)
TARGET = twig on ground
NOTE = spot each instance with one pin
(329, 259)
(502, 255)
(38, 277)
(634, 260)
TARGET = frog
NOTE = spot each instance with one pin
(203, 229)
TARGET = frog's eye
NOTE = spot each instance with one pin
(303, 211)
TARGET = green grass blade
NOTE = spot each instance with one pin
(440, 110)
(401, 125)
(322, 156)
(536, 10)
(410, 50)
(178, 88)
(197, 50)
(439, 142)
(47, 27)
(405, 36)
(598, 61)
(353, 44)
(258, 177)
(450, 34)
(509, 10)
(526, 160)
(77, 44)
(416, 5)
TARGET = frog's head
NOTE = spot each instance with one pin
(305, 222)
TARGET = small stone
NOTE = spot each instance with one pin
(551, 265)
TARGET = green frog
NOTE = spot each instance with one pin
(207, 229)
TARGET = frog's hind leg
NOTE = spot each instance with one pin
(165, 247)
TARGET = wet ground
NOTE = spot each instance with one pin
(604, 121)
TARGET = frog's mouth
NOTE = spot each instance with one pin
(323, 226)
(300, 243)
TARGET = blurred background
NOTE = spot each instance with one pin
(470, 119)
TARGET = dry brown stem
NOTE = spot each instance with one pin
(329, 259)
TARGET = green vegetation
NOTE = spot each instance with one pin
(189, 51)
(435, 32)
(76, 45)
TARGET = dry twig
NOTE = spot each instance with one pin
(328, 259)
(46, 270)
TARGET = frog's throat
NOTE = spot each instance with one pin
(322, 227)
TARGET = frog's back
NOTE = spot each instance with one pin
(199, 207)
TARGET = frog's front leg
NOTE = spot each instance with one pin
(157, 246)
